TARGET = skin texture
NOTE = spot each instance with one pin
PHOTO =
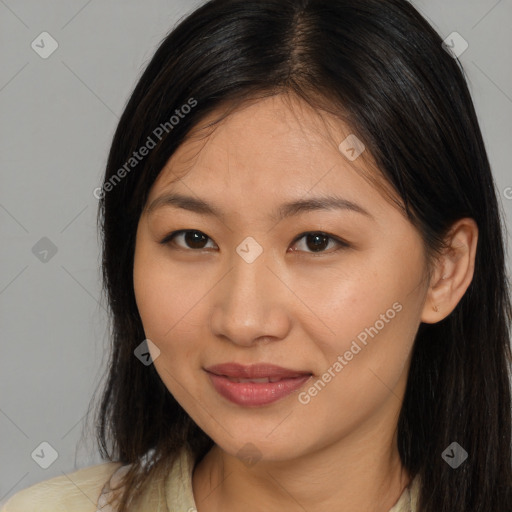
(291, 306)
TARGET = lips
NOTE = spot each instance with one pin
(262, 372)
(255, 385)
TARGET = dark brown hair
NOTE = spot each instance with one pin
(380, 66)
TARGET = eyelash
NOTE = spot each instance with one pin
(343, 245)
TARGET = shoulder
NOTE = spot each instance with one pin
(77, 491)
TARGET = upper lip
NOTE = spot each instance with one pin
(255, 371)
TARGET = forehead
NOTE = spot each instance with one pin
(268, 148)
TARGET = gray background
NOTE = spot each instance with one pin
(58, 116)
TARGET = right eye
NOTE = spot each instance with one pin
(194, 239)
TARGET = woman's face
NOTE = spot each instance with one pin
(257, 282)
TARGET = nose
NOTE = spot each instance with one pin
(251, 302)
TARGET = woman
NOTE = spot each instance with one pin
(303, 256)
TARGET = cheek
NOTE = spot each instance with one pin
(153, 292)
(372, 311)
(162, 311)
(149, 295)
(349, 299)
(169, 302)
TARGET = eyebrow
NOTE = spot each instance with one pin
(285, 210)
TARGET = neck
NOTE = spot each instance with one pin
(346, 476)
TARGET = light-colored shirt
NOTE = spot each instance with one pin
(87, 490)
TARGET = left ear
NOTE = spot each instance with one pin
(453, 272)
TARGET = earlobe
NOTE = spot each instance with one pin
(453, 272)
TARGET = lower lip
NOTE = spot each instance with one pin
(256, 393)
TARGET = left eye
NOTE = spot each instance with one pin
(315, 241)
(318, 241)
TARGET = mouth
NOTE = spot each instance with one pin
(255, 372)
(255, 385)
(264, 379)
